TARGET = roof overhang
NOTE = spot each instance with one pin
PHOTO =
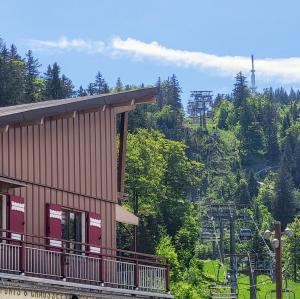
(28, 113)
(7, 183)
(124, 216)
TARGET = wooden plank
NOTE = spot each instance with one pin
(109, 153)
(43, 157)
(98, 156)
(54, 162)
(5, 159)
(82, 154)
(71, 150)
(48, 154)
(87, 158)
(65, 151)
(93, 154)
(124, 109)
(103, 156)
(36, 154)
(24, 157)
(11, 153)
(59, 153)
(30, 154)
(77, 155)
(122, 151)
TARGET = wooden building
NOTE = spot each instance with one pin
(61, 178)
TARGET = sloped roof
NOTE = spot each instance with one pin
(32, 111)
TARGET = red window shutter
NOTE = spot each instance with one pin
(94, 232)
(16, 217)
(54, 216)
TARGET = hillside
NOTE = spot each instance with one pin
(246, 157)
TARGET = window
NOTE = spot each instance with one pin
(72, 227)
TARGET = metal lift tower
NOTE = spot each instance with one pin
(198, 106)
(253, 86)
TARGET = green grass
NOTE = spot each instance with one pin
(264, 283)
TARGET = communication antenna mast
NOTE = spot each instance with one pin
(253, 86)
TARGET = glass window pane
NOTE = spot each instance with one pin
(64, 225)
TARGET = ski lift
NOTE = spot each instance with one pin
(245, 234)
(207, 236)
(221, 292)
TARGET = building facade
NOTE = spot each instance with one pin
(61, 178)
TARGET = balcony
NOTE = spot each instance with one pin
(75, 263)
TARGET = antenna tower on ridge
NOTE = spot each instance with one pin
(253, 86)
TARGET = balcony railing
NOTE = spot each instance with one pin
(33, 256)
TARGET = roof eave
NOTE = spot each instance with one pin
(128, 98)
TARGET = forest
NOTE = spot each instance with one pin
(247, 154)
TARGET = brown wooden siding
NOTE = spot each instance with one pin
(69, 161)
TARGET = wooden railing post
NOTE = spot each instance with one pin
(22, 256)
(136, 275)
(101, 270)
(168, 277)
(63, 263)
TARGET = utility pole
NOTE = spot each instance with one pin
(253, 280)
(278, 261)
(232, 255)
(222, 239)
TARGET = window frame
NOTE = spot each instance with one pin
(81, 216)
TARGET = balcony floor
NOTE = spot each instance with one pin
(23, 282)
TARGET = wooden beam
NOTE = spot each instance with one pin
(35, 122)
(124, 109)
(64, 115)
(122, 151)
(4, 129)
(151, 100)
(122, 196)
(136, 101)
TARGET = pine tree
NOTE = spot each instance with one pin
(15, 76)
(240, 90)
(284, 207)
(174, 99)
(252, 185)
(53, 86)
(242, 193)
(286, 123)
(81, 92)
(251, 132)
(119, 85)
(100, 86)
(5, 98)
(91, 89)
(67, 87)
(57, 87)
(32, 86)
(14, 52)
(292, 96)
(270, 129)
(160, 100)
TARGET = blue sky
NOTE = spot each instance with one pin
(204, 42)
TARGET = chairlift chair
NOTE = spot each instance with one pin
(245, 234)
(222, 292)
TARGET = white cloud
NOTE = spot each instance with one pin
(285, 70)
(65, 44)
